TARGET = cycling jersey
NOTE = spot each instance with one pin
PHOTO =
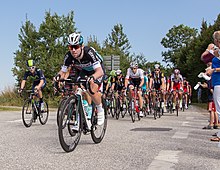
(144, 87)
(177, 80)
(157, 80)
(119, 83)
(135, 78)
(36, 77)
(87, 64)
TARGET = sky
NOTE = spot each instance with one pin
(144, 22)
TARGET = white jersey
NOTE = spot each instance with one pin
(138, 75)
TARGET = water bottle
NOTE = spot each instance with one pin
(88, 109)
(196, 86)
(85, 105)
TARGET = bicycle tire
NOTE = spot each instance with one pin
(112, 107)
(132, 110)
(97, 131)
(27, 121)
(61, 104)
(124, 110)
(43, 115)
(68, 137)
(118, 107)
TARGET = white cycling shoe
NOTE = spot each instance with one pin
(100, 116)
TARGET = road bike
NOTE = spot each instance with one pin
(31, 110)
(74, 121)
(133, 105)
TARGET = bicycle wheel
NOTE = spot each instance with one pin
(98, 131)
(112, 107)
(27, 113)
(183, 103)
(118, 109)
(177, 107)
(61, 104)
(43, 115)
(69, 127)
(132, 110)
(124, 109)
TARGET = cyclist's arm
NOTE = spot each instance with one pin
(23, 84)
(98, 73)
(142, 82)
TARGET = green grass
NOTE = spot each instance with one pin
(8, 108)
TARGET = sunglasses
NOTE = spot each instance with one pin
(74, 47)
(31, 68)
(156, 70)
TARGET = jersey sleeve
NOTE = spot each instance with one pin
(26, 74)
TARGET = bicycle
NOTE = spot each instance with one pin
(133, 105)
(177, 102)
(157, 105)
(31, 110)
(73, 121)
(121, 106)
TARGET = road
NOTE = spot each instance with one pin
(170, 142)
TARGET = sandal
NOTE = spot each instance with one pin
(208, 127)
(215, 139)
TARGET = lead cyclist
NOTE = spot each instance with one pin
(88, 63)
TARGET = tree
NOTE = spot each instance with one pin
(177, 38)
(46, 46)
(117, 43)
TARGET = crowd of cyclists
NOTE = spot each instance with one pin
(152, 87)
(149, 89)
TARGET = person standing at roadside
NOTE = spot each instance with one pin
(215, 72)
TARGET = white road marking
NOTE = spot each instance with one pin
(189, 118)
(12, 121)
(180, 135)
(166, 159)
(185, 124)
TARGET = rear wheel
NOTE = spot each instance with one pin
(43, 115)
(98, 131)
(118, 109)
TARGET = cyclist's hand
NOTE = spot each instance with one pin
(20, 91)
(57, 77)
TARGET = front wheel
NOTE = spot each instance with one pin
(43, 115)
(98, 131)
(132, 110)
(27, 113)
(69, 127)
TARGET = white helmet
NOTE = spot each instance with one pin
(75, 39)
(156, 66)
(133, 64)
(118, 72)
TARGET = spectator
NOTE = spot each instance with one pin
(215, 72)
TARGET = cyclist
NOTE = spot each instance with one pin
(186, 91)
(135, 78)
(177, 84)
(111, 79)
(39, 81)
(118, 85)
(157, 82)
(145, 90)
(88, 63)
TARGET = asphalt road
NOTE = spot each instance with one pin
(170, 142)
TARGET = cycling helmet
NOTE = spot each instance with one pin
(112, 73)
(133, 64)
(75, 39)
(118, 72)
(176, 71)
(156, 66)
(30, 63)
